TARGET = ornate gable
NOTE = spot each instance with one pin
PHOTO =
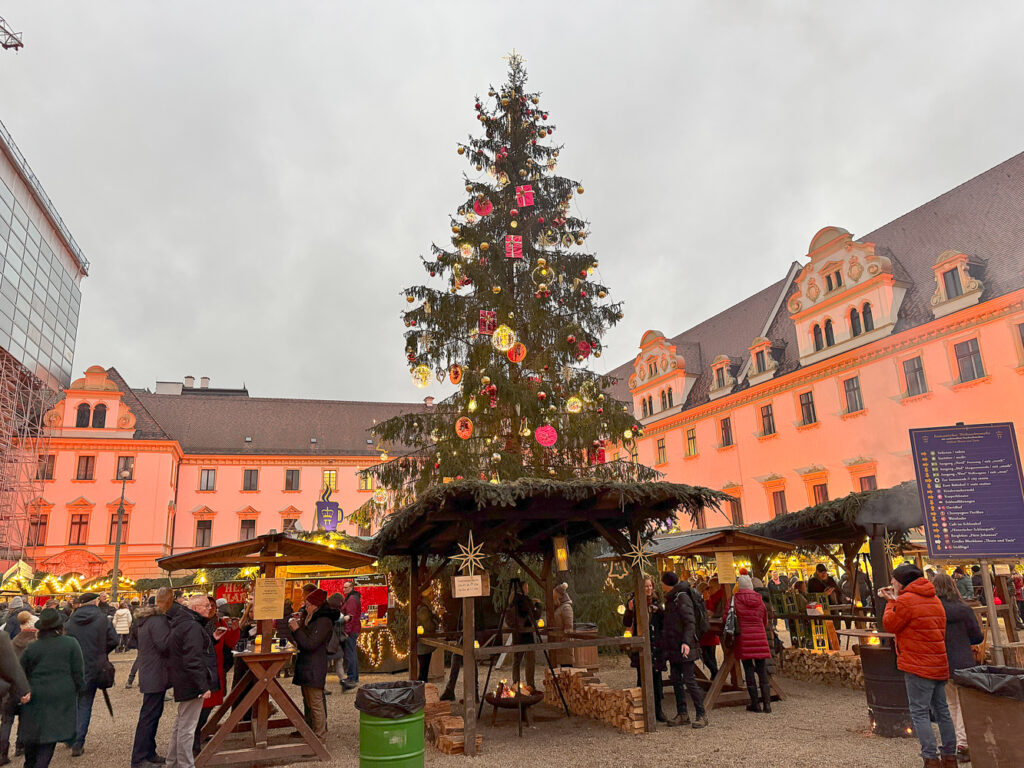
(659, 381)
(83, 403)
(846, 295)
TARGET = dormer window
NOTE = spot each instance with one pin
(82, 414)
(762, 365)
(759, 361)
(652, 369)
(99, 416)
(951, 283)
(834, 280)
(720, 377)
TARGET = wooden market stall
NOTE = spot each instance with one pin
(469, 519)
(259, 685)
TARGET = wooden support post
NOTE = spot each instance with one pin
(548, 587)
(265, 627)
(643, 621)
(469, 673)
(993, 620)
(414, 600)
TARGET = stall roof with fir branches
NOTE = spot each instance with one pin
(522, 516)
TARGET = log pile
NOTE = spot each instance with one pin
(589, 697)
(841, 668)
(443, 729)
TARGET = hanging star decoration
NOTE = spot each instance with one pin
(893, 549)
(638, 555)
(513, 58)
(470, 556)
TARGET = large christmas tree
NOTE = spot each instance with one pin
(514, 310)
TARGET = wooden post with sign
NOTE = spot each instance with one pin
(469, 673)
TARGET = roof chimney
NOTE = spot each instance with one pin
(429, 401)
(204, 383)
(190, 381)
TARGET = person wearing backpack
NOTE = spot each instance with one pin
(752, 644)
(312, 639)
(91, 627)
(679, 643)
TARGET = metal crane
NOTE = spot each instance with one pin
(8, 37)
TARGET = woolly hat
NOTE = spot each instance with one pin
(744, 582)
(16, 602)
(50, 619)
(87, 597)
(669, 578)
(316, 598)
(907, 573)
(221, 601)
(561, 589)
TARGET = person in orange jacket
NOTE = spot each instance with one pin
(916, 616)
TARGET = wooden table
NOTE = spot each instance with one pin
(252, 694)
(1003, 612)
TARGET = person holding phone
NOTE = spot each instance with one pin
(823, 583)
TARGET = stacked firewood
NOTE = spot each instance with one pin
(443, 729)
(841, 668)
(589, 697)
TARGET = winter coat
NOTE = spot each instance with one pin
(353, 608)
(863, 588)
(656, 628)
(122, 621)
(12, 676)
(23, 639)
(425, 618)
(715, 607)
(965, 587)
(918, 620)
(679, 626)
(753, 620)
(521, 616)
(54, 667)
(12, 627)
(311, 639)
(95, 636)
(962, 631)
(562, 620)
(154, 637)
(817, 586)
(191, 649)
(218, 670)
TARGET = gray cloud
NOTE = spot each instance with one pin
(254, 181)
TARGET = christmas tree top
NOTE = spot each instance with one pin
(514, 310)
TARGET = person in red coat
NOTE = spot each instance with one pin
(916, 616)
(714, 602)
(752, 645)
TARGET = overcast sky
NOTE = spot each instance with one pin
(254, 181)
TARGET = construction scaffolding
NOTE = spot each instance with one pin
(24, 452)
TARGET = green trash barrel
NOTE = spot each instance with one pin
(391, 724)
(392, 743)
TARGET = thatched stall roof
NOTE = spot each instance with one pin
(523, 515)
(848, 519)
(278, 548)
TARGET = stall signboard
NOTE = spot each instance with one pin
(268, 598)
(971, 488)
(478, 585)
(328, 514)
(233, 593)
(726, 567)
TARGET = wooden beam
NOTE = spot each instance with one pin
(529, 571)
(456, 649)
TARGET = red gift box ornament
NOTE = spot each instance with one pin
(488, 321)
(524, 196)
(483, 207)
(546, 435)
(513, 246)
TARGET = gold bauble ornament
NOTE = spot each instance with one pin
(542, 288)
(504, 102)
(579, 190)
(542, 262)
(514, 224)
(421, 376)
(542, 134)
(462, 150)
(601, 294)
(552, 409)
(484, 246)
(485, 380)
(628, 434)
(496, 290)
(479, 167)
(410, 299)
(455, 229)
(469, 187)
(522, 172)
(503, 338)
(574, 405)
(535, 100)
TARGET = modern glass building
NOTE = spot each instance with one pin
(41, 273)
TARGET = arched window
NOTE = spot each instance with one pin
(818, 343)
(854, 322)
(82, 415)
(830, 336)
(670, 397)
(650, 404)
(99, 416)
(643, 408)
(664, 402)
(869, 321)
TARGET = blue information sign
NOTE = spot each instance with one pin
(972, 491)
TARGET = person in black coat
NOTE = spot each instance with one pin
(153, 627)
(95, 634)
(679, 643)
(962, 631)
(191, 651)
(655, 628)
(311, 638)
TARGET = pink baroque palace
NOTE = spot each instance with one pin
(797, 394)
(805, 391)
(203, 466)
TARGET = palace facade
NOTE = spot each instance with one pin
(800, 393)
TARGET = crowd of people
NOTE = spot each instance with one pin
(52, 665)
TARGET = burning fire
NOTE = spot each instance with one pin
(506, 691)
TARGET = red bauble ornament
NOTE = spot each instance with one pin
(437, 465)
(600, 409)
(433, 273)
(583, 273)
(542, 395)
(412, 357)
(546, 435)
(540, 220)
(544, 116)
(478, 105)
(514, 212)
(571, 339)
(583, 294)
(412, 322)
(483, 207)
(492, 389)
(533, 141)
(585, 348)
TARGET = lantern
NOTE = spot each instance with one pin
(561, 544)
(574, 405)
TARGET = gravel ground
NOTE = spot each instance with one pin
(816, 726)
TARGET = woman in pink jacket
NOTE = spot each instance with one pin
(752, 645)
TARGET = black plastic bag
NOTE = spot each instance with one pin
(391, 700)
(999, 681)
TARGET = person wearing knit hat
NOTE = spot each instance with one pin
(312, 639)
(561, 622)
(12, 627)
(915, 615)
(752, 647)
